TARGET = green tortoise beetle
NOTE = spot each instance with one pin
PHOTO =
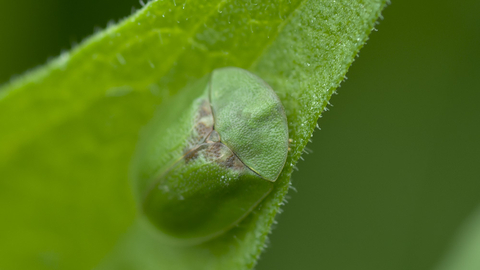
(204, 165)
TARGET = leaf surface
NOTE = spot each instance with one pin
(68, 129)
(463, 253)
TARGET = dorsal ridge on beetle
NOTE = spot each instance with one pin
(236, 147)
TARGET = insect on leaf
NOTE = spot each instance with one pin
(68, 130)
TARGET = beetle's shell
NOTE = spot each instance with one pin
(201, 169)
(251, 120)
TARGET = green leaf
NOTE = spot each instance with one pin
(68, 129)
(465, 250)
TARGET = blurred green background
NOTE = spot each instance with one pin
(394, 171)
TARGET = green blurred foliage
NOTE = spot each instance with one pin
(394, 171)
(464, 252)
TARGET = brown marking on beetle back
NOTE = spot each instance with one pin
(200, 143)
(203, 123)
(202, 130)
(205, 109)
(233, 163)
(214, 151)
(202, 127)
(223, 156)
(190, 156)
